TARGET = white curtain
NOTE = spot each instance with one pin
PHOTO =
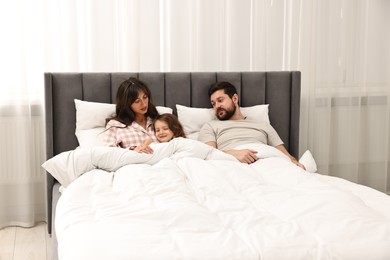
(342, 49)
(345, 60)
(21, 123)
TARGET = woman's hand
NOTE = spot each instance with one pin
(144, 148)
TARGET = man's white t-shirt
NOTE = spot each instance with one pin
(229, 134)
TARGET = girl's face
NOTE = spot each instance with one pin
(162, 131)
(140, 105)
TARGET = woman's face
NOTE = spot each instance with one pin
(140, 105)
(162, 131)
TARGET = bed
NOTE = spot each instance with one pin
(188, 200)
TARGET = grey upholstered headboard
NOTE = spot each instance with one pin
(281, 90)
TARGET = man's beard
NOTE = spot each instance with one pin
(228, 113)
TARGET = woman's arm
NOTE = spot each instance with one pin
(110, 137)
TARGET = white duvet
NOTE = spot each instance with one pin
(189, 201)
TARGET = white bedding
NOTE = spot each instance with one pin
(198, 203)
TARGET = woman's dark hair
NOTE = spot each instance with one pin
(173, 124)
(227, 87)
(128, 92)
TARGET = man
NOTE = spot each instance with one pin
(233, 129)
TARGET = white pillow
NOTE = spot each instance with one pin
(91, 137)
(91, 120)
(192, 118)
(164, 110)
(258, 112)
(308, 161)
(92, 114)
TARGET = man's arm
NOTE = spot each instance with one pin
(293, 159)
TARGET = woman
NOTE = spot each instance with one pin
(133, 123)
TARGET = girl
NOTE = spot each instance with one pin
(166, 127)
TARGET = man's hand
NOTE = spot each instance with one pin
(292, 158)
(245, 156)
(297, 163)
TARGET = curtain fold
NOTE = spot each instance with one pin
(342, 49)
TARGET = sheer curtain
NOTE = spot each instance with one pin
(345, 61)
(342, 49)
(21, 132)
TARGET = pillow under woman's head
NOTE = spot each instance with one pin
(91, 121)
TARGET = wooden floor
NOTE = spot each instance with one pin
(18, 243)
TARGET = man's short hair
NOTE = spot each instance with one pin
(227, 87)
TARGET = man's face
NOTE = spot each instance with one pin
(224, 106)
